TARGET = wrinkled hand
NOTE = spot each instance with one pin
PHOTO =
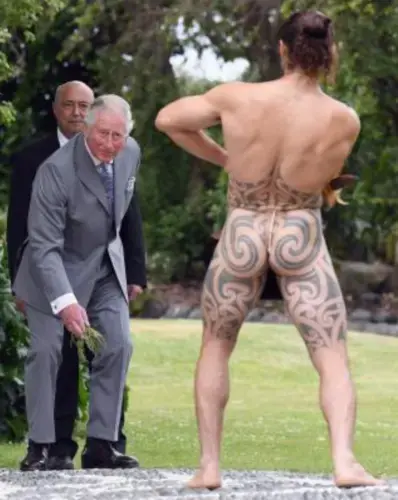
(75, 320)
(133, 291)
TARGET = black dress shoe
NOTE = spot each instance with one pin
(36, 458)
(60, 455)
(99, 454)
(60, 463)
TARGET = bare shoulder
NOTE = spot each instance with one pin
(347, 118)
(238, 91)
(229, 92)
(228, 88)
(350, 116)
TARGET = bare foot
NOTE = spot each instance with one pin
(354, 475)
(206, 477)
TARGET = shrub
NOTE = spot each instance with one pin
(13, 349)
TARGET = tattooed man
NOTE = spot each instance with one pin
(285, 140)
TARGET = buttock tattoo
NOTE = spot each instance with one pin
(291, 242)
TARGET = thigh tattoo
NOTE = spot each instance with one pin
(235, 275)
(307, 279)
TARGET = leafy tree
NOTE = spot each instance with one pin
(18, 20)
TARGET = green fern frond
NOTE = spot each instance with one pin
(92, 339)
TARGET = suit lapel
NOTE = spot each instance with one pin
(87, 173)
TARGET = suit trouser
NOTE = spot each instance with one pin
(108, 312)
(66, 402)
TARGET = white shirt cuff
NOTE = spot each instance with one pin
(61, 302)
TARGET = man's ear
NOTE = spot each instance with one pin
(283, 52)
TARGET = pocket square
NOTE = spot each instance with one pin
(130, 184)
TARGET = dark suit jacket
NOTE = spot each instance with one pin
(25, 163)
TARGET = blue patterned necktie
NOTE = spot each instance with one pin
(106, 172)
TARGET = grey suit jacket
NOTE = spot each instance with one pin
(69, 225)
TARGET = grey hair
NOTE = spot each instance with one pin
(114, 103)
(72, 83)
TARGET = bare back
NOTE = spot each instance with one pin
(302, 133)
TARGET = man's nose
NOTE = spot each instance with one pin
(109, 142)
(76, 110)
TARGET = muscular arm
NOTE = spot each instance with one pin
(350, 126)
(46, 226)
(184, 120)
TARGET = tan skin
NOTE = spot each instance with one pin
(71, 104)
(268, 124)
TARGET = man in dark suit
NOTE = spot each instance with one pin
(71, 103)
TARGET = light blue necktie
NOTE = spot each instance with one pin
(106, 173)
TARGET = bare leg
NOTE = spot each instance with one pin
(315, 303)
(338, 404)
(231, 287)
(211, 397)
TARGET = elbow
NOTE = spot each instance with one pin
(163, 122)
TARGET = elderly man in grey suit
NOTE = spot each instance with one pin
(73, 274)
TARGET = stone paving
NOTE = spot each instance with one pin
(169, 484)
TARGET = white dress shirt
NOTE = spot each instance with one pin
(61, 138)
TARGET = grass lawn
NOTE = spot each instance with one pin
(273, 420)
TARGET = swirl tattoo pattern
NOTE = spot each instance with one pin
(307, 279)
(235, 275)
(269, 224)
(268, 194)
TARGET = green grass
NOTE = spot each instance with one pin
(273, 420)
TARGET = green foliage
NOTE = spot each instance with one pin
(20, 24)
(92, 340)
(13, 348)
(136, 306)
(179, 240)
(18, 20)
(217, 201)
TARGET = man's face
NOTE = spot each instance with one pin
(71, 107)
(107, 136)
